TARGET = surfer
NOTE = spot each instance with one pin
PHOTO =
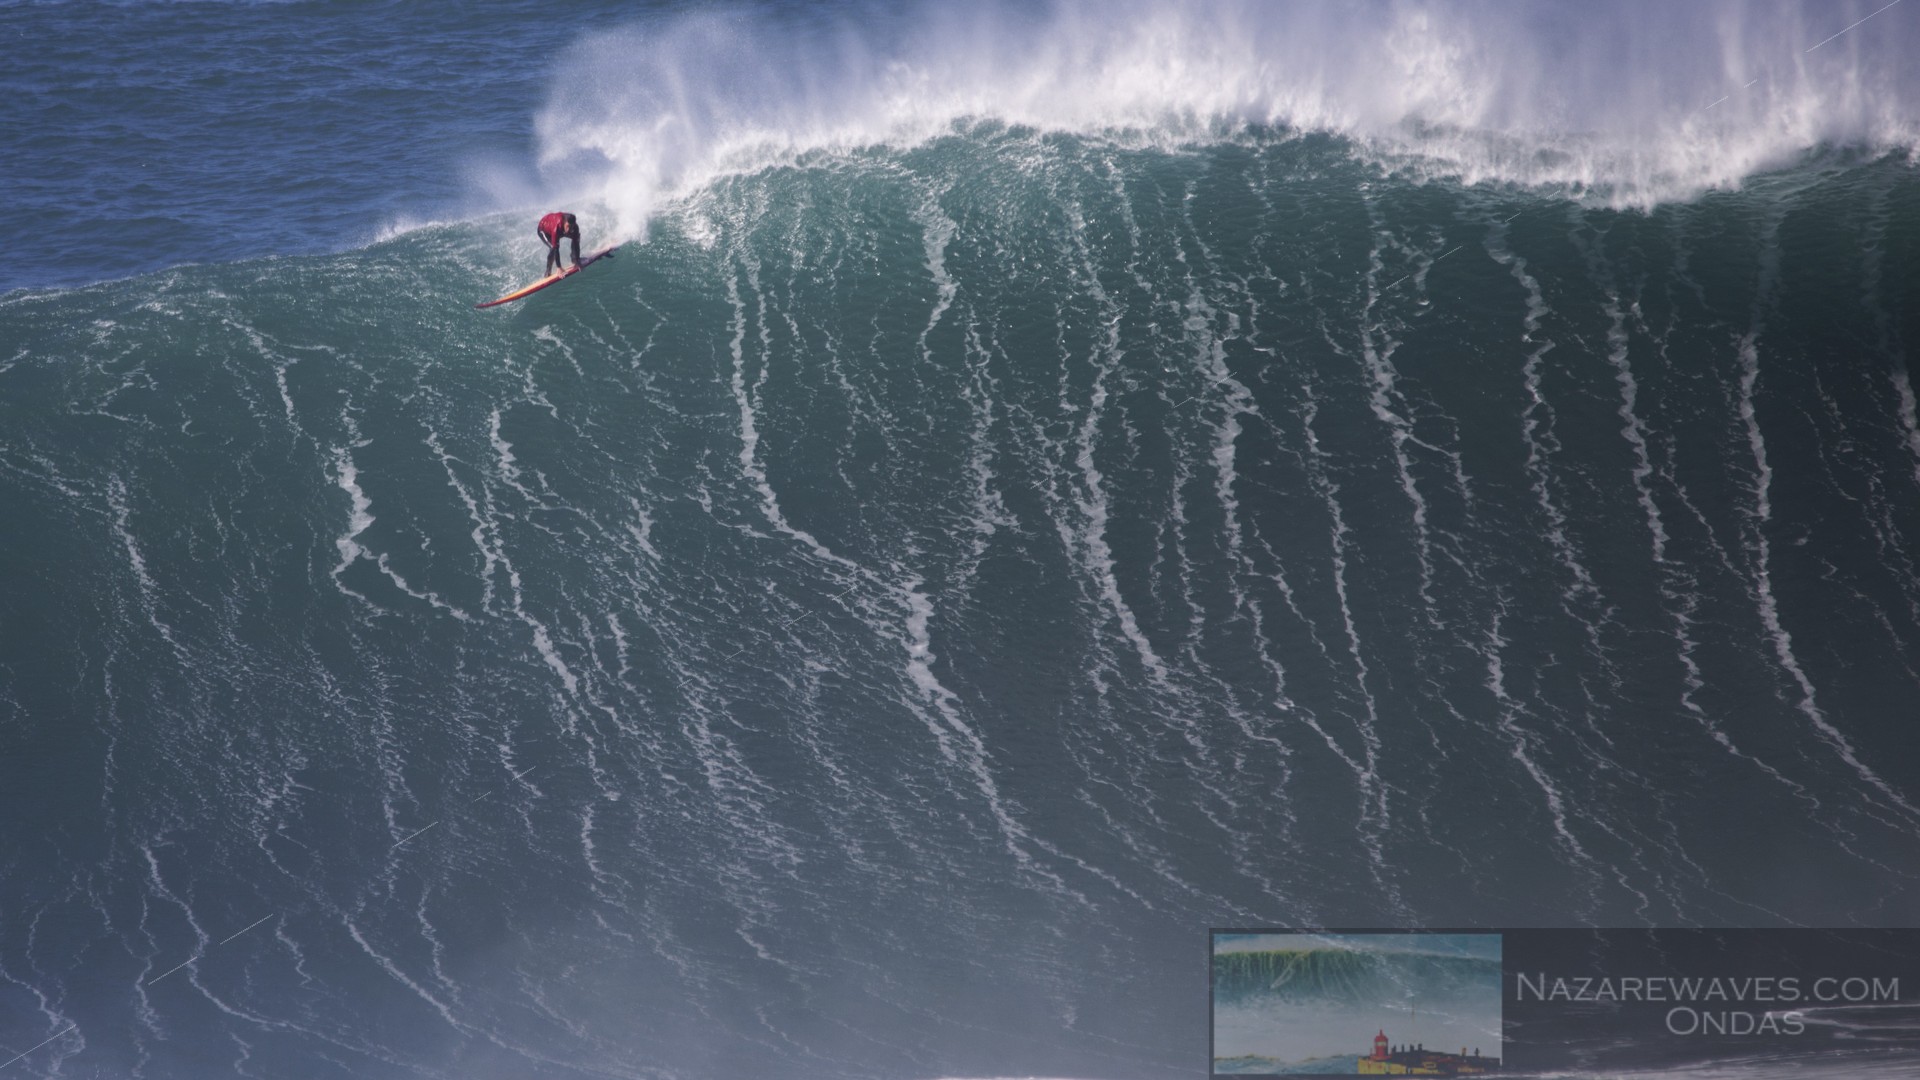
(555, 227)
(552, 228)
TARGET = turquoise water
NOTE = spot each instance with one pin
(975, 536)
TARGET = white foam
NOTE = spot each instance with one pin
(1769, 608)
(1210, 353)
(1632, 103)
(385, 564)
(542, 640)
(1520, 742)
(1366, 768)
(486, 537)
(346, 477)
(1537, 429)
(918, 638)
(1383, 395)
(503, 456)
(938, 230)
(1539, 448)
(149, 591)
(481, 525)
(387, 965)
(1634, 430)
(1093, 499)
(989, 512)
(1909, 422)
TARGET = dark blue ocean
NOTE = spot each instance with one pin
(1034, 484)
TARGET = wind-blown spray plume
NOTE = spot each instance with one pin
(1631, 104)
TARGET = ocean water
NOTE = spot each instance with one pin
(1033, 485)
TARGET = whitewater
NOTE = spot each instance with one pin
(1035, 484)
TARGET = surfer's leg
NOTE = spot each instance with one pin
(575, 241)
(553, 248)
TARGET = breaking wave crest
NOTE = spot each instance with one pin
(1643, 103)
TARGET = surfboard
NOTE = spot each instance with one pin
(552, 279)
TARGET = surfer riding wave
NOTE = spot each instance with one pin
(552, 229)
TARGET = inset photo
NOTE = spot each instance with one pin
(1356, 1004)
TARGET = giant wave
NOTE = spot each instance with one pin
(873, 626)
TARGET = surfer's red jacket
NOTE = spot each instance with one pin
(554, 226)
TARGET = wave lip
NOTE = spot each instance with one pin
(1641, 103)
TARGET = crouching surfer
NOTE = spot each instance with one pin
(555, 227)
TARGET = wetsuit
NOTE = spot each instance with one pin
(552, 228)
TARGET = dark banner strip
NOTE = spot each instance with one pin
(1531, 1001)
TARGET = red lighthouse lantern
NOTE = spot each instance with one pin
(1380, 1046)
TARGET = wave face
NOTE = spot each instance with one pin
(873, 626)
(914, 591)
